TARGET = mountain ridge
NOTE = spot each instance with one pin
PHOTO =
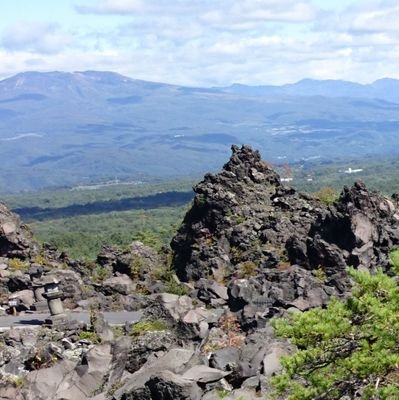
(63, 129)
(310, 83)
(329, 88)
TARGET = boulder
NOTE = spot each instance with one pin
(211, 292)
(238, 394)
(25, 298)
(174, 360)
(70, 283)
(204, 374)
(88, 376)
(168, 386)
(102, 328)
(271, 361)
(19, 281)
(44, 383)
(170, 363)
(10, 392)
(15, 238)
(121, 284)
(169, 307)
(228, 359)
(138, 262)
(145, 345)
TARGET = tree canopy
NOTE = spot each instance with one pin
(350, 349)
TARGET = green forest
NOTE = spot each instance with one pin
(81, 221)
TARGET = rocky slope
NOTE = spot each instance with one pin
(249, 249)
(289, 248)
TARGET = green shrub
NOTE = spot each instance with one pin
(222, 393)
(320, 274)
(327, 195)
(17, 264)
(41, 259)
(173, 287)
(167, 275)
(394, 257)
(89, 335)
(150, 239)
(248, 269)
(16, 381)
(145, 326)
(239, 219)
(347, 349)
(137, 265)
(100, 274)
(114, 387)
(118, 331)
(201, 200)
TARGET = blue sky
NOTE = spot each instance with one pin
(204, 42)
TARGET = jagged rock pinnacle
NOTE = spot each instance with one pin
(243, 219)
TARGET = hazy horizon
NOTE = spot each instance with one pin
(204, 86)
(202, 43)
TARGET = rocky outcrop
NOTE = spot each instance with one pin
(138, 260)
(15, 238)
(358, 230)
(118, 280)
(249, 249)
(241, 220)
(277, 248)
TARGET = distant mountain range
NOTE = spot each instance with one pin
(384, 89)
(65, 129)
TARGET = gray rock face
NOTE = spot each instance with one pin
(251, 248)
(218, 229)
(10, 393)
(204, 374)
(168, 386)
(24, 297)
(133, 271)
(70, 283)
(15, 239)
(139, 260)
(275, 247)
(210, 292)
(359, 230)
(173, 362)
(121, 284)
(144, 346)
(43, 384)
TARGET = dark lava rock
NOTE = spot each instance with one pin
(358, 230)
(241, 217)
(274, 247)
(143, 346)
(168, 386)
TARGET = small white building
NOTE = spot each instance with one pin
(353, 171)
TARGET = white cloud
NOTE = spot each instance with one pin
(362, 17)
(35, 37)
(207, 42)
(270, 10)
(118, 7)
(377, 20)
(212, 11)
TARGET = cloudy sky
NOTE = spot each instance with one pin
(204, 42)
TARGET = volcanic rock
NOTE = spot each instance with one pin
(275, 247)
(15, 238)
